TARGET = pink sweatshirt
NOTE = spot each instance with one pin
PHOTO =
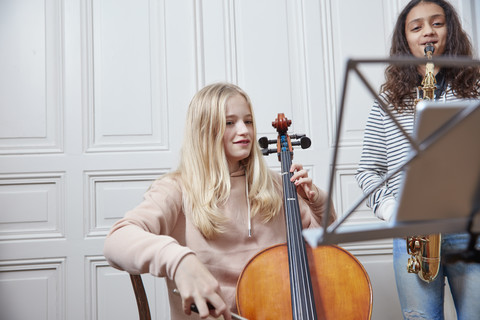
(156, 235)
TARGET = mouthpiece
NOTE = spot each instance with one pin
(429, 48)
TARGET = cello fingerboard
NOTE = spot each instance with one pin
(303, 302)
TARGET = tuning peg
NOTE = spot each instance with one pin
(304, 142)
(264, 142)
(266, 151)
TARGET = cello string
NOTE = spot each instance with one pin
(294, 281)
(300, 280)
(310, 301)
(291, 252)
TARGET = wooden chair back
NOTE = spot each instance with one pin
(141, 297)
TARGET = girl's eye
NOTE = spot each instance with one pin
(229, 122)
(249, 122)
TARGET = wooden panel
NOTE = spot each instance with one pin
(111, 194)
(270, 65)
(127, 103)
(347, 194)
(215, 32)
(356, 36)
(31, 66)
(385, 298)
(104, 280)
(32, 206)
(32, 290)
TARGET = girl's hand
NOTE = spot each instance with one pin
(303, 182)
(197, 285)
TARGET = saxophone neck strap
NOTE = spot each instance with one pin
(441, 85)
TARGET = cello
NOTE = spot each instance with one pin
(293, 280)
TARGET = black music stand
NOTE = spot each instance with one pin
(440, 190)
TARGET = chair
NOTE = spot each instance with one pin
(141, 297)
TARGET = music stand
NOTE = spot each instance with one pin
(445, 135)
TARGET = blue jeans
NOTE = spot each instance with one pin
(421, 300)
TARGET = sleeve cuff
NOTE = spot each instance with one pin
(386, 209)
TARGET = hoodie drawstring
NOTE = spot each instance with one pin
(248, 207)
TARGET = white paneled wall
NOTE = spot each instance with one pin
(32, 77)
(33, 289)
(93, 96)
(20, 193)
(126, 72)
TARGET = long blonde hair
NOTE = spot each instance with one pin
(203, 167)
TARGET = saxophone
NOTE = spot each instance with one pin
(424, 251)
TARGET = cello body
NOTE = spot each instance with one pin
(292, 280)
(341, 286)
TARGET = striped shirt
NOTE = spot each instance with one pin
(385, 149)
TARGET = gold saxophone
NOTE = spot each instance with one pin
(425, 250)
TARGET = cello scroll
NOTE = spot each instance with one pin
(284, 142)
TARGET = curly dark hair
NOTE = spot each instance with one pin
(401, 80)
